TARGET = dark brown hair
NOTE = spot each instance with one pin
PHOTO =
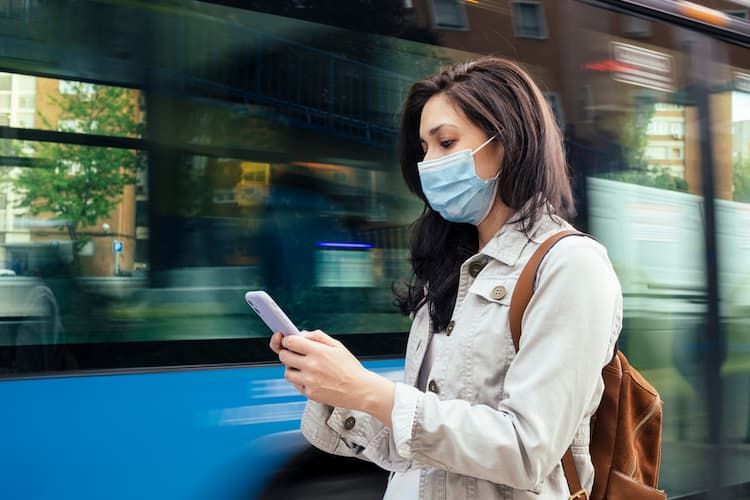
(499, 97)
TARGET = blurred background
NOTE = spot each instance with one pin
(159, 159)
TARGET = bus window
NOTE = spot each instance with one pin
(158, 160)
(729, 99)
(660, 108)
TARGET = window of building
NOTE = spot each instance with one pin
(141, 213)
(141, 182)
(5, 81)
(17, 93)
(25, 83)
(636, 27)
(25, 120)
(528, 19)
(742, 14)
(25, 101)
(677, 129)
(449, 14)
(657, 127)
(555, 103)
(665, 106)
(141, 254)
(656, 153)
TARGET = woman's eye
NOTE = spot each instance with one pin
(447, 143)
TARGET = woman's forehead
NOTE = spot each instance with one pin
(439, 110)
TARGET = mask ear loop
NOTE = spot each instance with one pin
(483, 145)
(497, 175)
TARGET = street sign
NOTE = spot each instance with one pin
(117, 246)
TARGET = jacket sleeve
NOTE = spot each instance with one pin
(365, 437)
(569, 329)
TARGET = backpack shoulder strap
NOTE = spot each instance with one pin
(522, 293)
(524, 288)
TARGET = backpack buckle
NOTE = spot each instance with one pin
(582, 493)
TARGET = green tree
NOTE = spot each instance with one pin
(741, 179)
(79, 185)
(660, 178)
(633, 135)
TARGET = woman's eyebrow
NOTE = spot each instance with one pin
(435, 129)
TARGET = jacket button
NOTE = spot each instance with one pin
(349, 423)
(475, 268)
(450, 327)
(433, 387)
(498, 292)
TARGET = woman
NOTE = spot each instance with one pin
(473, 418)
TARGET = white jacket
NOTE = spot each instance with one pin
(494, 424)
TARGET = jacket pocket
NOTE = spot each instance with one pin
(498, 290)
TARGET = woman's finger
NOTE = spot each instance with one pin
(275, 343)
(293, 376)
(300, 344)
(292, 359)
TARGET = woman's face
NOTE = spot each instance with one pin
(445, 129)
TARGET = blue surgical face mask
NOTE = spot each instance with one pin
(453, 188)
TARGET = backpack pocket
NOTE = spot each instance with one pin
(622, 487)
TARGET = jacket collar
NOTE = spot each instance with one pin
(508, 243)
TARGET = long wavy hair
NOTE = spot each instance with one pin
(499, 97)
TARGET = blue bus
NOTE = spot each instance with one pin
(160, 158)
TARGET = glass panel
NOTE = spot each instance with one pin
(640, 143)
(58, 230)
(51, 104)
(320, 237)
(730, 133)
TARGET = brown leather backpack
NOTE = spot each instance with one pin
(626, 428)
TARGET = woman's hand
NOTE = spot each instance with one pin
(324, 370)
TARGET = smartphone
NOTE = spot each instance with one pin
(270, 312)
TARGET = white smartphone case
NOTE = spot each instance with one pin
(270, 312)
